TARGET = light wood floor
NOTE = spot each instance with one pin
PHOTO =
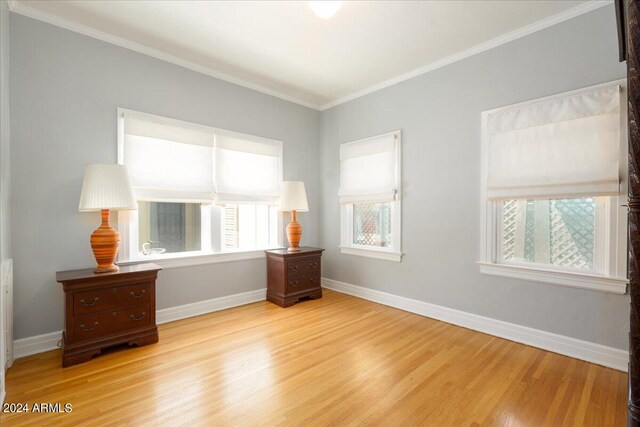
(335, 361)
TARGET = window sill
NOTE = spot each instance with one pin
(575, 280)
(178, 261)
(372, 253)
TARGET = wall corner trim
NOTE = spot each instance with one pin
(40, 343)
(584, 350)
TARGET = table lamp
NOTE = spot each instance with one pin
(293, 198)
(106, 188)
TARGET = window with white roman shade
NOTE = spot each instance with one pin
(203, 193)
(247, 169)
(560, 148)
(553, 189)
(168, 160)
(369, 197)
(368, 170)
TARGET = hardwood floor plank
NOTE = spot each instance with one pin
(339, 360)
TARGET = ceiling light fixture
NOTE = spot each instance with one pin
(325, 9)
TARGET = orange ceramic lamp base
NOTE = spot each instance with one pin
(294, 232)
(104, 243)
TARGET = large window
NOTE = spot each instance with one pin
(370, 195)
(200, 190)
(553, 186)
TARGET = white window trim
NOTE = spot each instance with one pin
(127, 226)
(393, 253)
(188, 259)
(612, 275)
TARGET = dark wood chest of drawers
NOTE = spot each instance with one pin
(102, 310)
(293, 275)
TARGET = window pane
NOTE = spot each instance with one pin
(555, 232)
(372, 224)
(174, 227)
(249, 226)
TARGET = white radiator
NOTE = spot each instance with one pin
(6, 304)
(6, 322)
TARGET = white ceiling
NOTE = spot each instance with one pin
(282, 48)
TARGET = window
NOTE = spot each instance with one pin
(249, 226)
(370, 197)
(169, 227)
(200, 190)
(372, 224)
(562, 233)
(552, 190)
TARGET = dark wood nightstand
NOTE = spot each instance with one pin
(292, 276)
(106, 309)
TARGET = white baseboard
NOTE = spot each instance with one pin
(584, 350)
(572, 347)
(36, 344)
(208, 306)
(46, 342)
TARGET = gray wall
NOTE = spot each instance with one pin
(439, 115)
(5, 229)
(65, 89)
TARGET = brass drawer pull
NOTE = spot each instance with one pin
(293, 268)
(314, 279)
(138, 318)
(293, 282)
(137, 296)
(89, 304)
(84, 328)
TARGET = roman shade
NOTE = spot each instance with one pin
(247, 169)
(368, 170)
(565, 147)
(168, 160)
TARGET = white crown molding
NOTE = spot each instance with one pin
(26, 10)
(572, 347)
(46, 342)
(490, 44)
(23, 9)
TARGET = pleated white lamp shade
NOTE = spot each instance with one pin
(293, 197)
(106, 187)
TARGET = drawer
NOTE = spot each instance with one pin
(133, 317)
(92, 326)
(133, 294)
(303, 281)
(93, 301)
(312, 266)
(97, 300)
(296, 267)
(303, 266)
